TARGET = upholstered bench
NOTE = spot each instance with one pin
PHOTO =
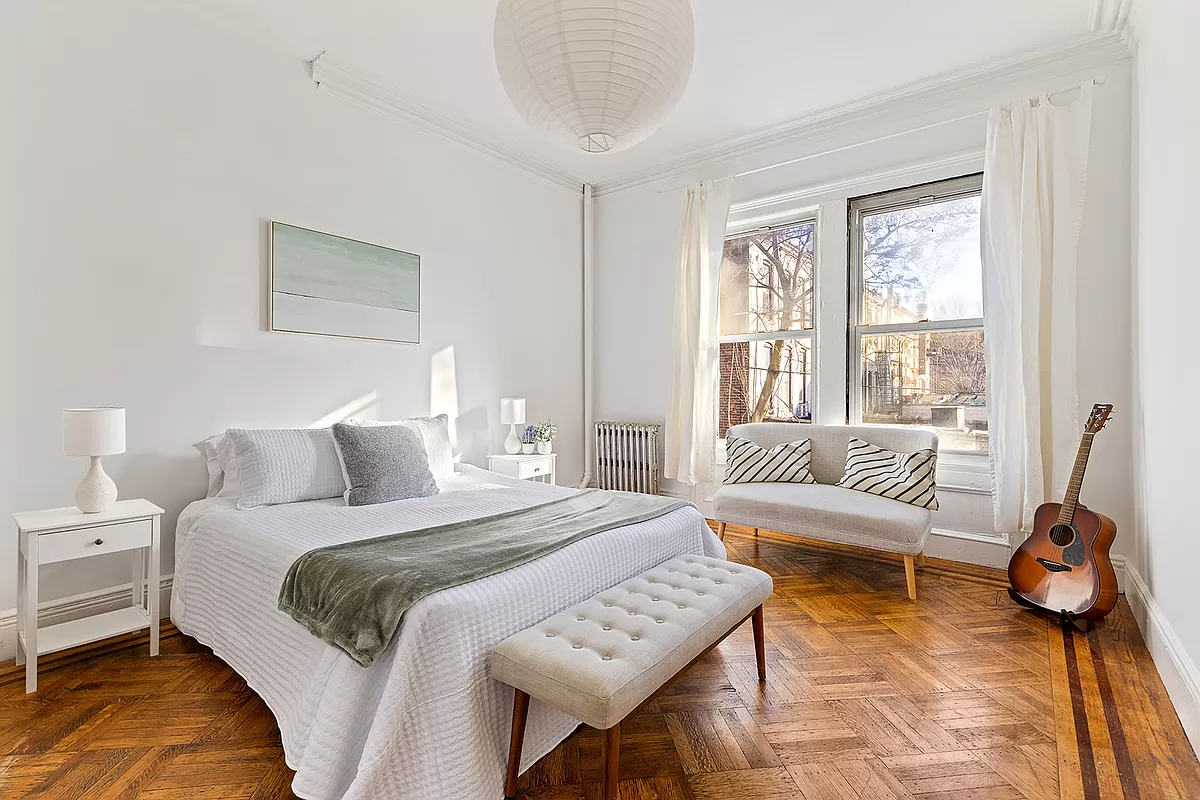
(605, 658)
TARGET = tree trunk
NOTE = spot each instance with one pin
(768, 389)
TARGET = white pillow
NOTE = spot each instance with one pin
(221, 459)
(285, 465)
(435, 435)
(216, 475)
(231, 482)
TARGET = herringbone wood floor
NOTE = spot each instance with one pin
(959, 695)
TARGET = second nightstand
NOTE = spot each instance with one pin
(533, 467)
(63, 534)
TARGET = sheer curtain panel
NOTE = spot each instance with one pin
(691, 421)
(1035, 176)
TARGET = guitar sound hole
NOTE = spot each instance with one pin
(1062, 535)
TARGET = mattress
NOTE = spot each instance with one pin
(425, 720)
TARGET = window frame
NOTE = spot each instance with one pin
(856, 208)
(808, 217)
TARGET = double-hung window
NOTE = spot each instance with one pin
(916, 312)
(766, 325)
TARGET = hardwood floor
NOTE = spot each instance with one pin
(957, 696)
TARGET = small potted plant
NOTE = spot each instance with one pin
(529, 439)
(544, 434)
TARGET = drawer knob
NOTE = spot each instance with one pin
(99, 541)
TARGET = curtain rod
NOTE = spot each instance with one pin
(1097, 81)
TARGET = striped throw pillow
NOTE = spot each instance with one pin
(908, 477)
(746, 462)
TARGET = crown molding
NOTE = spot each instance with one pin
(381, 99)
(979, 83)
(1110, 16)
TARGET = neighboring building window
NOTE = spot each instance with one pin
(766, 326)
(916, 309)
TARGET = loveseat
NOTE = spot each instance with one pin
(823, 510)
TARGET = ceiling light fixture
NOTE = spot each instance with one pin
(599, 75)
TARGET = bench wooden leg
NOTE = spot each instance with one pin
(721, 531)
(921, 560)
(610, 757)
(760, 643)
(520, 715)
(910, 572)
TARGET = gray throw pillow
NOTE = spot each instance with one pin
(383, 463)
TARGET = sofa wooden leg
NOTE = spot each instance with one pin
(756, 532)
(610, 756)
(921, 560)
(520, 714)
(910, 572)
(721, 531)
(760, 643)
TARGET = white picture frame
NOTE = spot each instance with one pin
(326, 285)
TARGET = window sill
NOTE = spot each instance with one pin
(968, 456)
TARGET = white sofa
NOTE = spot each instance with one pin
(823, 510)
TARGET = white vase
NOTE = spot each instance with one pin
(527, 448)
(544, 448)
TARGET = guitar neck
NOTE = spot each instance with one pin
(1071, 498)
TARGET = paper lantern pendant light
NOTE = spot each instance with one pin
(599, 75)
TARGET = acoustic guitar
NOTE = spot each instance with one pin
(1064, 566)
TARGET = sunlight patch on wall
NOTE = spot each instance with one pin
(363, 407)
(443, 388)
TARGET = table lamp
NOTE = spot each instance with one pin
(94, 432)
(512, 413)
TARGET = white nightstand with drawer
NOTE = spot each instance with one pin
(533, 467)
(63, 534)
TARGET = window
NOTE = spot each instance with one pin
(916, 307)
(766, 326)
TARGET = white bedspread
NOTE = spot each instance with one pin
(425, 720)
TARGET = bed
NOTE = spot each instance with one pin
(425, 720)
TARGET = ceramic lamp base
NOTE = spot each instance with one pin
(96, 492)
(512, 444)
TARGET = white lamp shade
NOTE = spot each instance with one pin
(93, 431)
(599, 75)
(512, 411)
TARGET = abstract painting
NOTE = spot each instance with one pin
(333, 286)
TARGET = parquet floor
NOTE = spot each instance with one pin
(958, 696)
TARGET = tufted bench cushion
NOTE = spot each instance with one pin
(601, 659)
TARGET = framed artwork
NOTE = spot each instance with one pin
(332, 286)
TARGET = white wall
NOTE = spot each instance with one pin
(637, 237)
(145, 152)
(1167, 71)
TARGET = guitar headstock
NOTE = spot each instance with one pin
(1098, 418)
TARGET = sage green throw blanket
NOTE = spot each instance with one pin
(354, 595)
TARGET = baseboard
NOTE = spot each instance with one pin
(971, 548)
(1120, 566)
(1178, 671)
(66, 609)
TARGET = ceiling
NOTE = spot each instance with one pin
(758, 62)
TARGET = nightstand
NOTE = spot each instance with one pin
(64, 534)
(531, 467)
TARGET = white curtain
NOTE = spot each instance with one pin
(691, 421)
(1035, 176)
